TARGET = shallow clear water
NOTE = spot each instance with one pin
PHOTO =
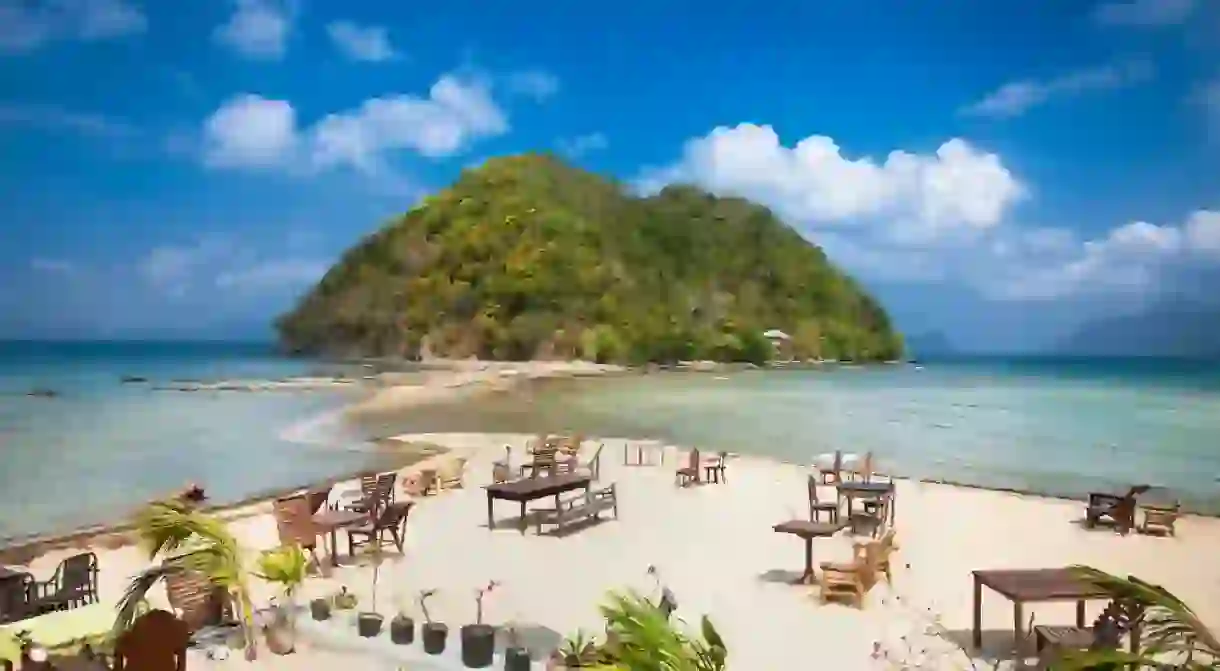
(1058, 427)
(102, 447)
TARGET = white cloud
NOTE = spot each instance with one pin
(56, 118)
(1016, 98)
(272, 275)
(250, 131)
(582, 144)
(26, 25)
(221, 263)
(361, 43)
(536, 84)
(812, 183)
(1144, 12)
(253, 132)
(257, 29)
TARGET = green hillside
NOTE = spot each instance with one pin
(526, 257)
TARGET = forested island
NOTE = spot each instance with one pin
(525, 257)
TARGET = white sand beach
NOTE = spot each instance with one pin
(714, 547)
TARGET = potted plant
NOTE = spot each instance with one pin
(402, 627)
(368, 623)
(478, 639)
(284, 566)
(433, 633)
(516, 656)
(345, 600)
(320, 608)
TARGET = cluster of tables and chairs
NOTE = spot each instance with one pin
(554, 468)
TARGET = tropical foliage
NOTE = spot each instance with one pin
(640, 636)
(285, 566)
(186, 540)
(1171, 635)
(525, 257)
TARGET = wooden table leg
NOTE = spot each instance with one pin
(334, 546)
(1080, 614)
(491, 520)
(1018, 637)
(522, 525)
(977, 633)
(808, 577)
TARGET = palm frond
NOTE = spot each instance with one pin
(132, 602)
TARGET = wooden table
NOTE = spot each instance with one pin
(530, 489)
(330, 521)
(644, 451)
(807, 531)
(866, 490)
(1023, 586)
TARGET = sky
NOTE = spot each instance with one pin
(997, 171)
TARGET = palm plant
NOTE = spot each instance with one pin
(1171, 635)
(642, 637)
(188, 541)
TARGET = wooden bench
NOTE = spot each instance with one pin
(582, 507)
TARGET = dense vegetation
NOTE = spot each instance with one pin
(525, 257)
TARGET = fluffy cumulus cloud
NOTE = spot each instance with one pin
(257, 29)
(1016, 98)
(361, 43)
(26, 25)
(254, 132)
(942, 216)
(812, 183)
(211, 263)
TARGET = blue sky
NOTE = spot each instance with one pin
(996, 170)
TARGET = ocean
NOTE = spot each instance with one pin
(101, 447)
(1057, 426)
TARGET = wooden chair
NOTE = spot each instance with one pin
(391, 522)
(848, 582)
(539, 441)
(15, 592)
(1116, 510)
(594, 465)
(571, 446)
(834, 474)
(1161, 519)
(376, 496)
(295, 525)
(73, 584)
(544, 460)
(451, 473)
(714, 470)
(817, 507)
(1118, 619)
(157, 641)
(863, 471)
(882, 550)
(690, 473)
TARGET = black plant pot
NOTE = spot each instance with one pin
(434, 635)
(320, 608)
(478, 645)
(517, 659)
(402, 630)
(368, 625)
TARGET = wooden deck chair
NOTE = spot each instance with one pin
(295, 526)
(848, 582)
(157, 641)
(1160, 519)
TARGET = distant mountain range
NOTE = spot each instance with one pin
(929, 344)
(1166, 330)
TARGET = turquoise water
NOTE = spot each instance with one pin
(1060, 427)
(101, 447)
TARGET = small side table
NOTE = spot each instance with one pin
(807, 531)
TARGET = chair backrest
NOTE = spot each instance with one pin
(811, 484)
(695, 460)
(394, 514)
(15, 596)
(866, 467)
(78, 572)
(536, 442)
(294, 521)
(595, 464)
(385, 486)
(157, 641)
(453, 468)
(838, 462)
(368, 484)
(317, 499)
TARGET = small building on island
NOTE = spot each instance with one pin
(782, 342)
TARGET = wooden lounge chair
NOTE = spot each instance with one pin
(157, 641)
(73, 584)
(295, 526)
(377, 495)
(1116, 510)
(389, 527)
(690, 473)
(1160, 519)
(834, 473)
(848, 582)
(15, 591)
(817, 507)
(451, 473)
(1118, 619)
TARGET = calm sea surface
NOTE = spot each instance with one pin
(1057, 426)
(101, 446)
(1054, 426)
